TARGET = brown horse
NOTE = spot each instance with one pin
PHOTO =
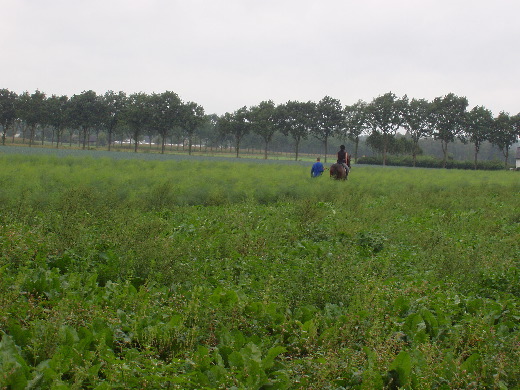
(338, 172)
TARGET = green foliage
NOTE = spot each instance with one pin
(13, 368)
(196, 274)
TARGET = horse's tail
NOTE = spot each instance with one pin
(337, 171)
(332, 170)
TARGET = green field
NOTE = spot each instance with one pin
(119, 272)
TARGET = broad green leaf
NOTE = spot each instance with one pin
(68, 335)
(401, 305)
(255, 376)
(217, 376)
(251, 352)
(472, 363)
(402, 365)
(236, 360)
(432, 327)
(268, 360)
(13, 367)
(202, 358)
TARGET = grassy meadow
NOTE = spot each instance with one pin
(120, 273)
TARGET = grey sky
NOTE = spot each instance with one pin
(225, 54)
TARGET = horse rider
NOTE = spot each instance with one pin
(344, 158)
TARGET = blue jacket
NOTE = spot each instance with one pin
(317, 169)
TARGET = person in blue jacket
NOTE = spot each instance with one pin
(317, 168)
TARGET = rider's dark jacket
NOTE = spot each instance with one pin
(342, 156)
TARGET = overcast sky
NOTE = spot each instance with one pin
(225, 54)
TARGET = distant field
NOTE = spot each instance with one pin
(146, 154)
(186, 272)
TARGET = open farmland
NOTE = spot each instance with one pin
(191, 274)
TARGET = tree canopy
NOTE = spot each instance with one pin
(449, 119)
(328, 120)
(386, 116)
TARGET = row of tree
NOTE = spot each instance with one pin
(115, 113)
(166, 116)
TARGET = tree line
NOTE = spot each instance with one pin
(166, 116)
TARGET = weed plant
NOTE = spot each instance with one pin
(190, 274)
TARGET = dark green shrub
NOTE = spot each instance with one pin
(431, 162)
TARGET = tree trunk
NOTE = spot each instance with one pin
(414, 154)
(109, 139)
(505, 152)
(84, 137)
(297, 147)
(356, 149)
(385, 148)
(237, 146)
(31, 134)
(17, 127)
(444, 152)
(326, 142)
(476, 153)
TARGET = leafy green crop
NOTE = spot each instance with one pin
(193, 274)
